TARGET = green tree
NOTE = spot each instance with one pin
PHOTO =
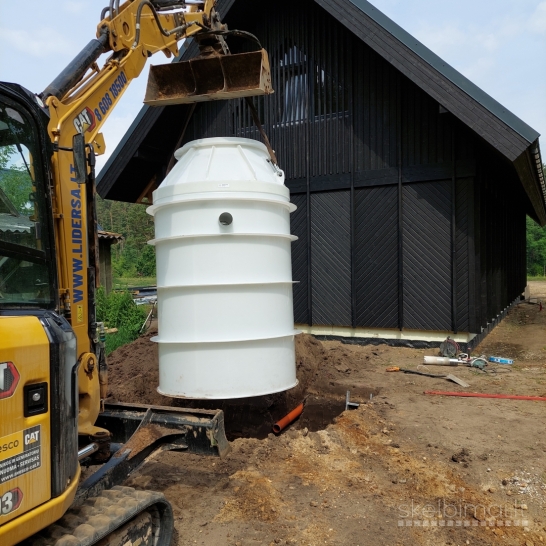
(15, 181)
(133, 256)
(536, 246)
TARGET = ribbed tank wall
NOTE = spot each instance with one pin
(224, 276)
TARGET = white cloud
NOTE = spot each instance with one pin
(473, 52)
(478, 68)
(74, 7)
(457, 39)
(441, 40)
(538, 20)
(490, 42)
(41, 44)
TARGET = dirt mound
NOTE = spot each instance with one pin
(134, 378)
(310, 359)
(323, 372)
(133, 373)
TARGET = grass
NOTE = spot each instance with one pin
(124, 283)
(120, 338)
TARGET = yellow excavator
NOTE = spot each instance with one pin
(53, 372)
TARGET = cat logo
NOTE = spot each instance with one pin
(85, 121)
(9, 378)
(32, 438)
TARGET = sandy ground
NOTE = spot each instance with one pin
(405, 468)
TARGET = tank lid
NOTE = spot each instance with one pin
(223, 160)
(221, 141)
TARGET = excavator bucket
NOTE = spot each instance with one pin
(210, 78)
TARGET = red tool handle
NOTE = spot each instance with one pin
(485, 395)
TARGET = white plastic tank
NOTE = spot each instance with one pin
(224, 275)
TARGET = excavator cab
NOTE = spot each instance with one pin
(26, 277)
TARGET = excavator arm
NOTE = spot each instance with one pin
(80, 100)
(131, 32)
(135, 31)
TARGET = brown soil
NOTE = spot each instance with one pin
(133, 370)
(376, 474)
(145, 436)
(133, 373)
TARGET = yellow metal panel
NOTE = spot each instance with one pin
(30, 523)
(25, 459)
(89, 394)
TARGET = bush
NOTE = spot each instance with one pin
(118, 310)
(119, 339)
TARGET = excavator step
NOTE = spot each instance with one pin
(218, 77)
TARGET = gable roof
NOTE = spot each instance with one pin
(370, 34)
(503, 130)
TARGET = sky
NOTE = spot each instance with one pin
(500, 45)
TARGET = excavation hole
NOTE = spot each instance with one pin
(322, 372)
(255, 417)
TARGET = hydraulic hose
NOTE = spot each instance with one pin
(166, 33)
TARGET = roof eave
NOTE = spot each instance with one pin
(529, 168)
(512, 121)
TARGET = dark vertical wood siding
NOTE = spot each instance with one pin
(331, 258)
(499, 214)
(463, 250)
(405, 217)
(426, 134)
(427, 256)
(375, 92)
(376, 257)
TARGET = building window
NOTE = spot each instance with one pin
(294, 86)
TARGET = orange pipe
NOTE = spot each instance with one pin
(285, 421)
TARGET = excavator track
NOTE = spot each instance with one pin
(121, 516)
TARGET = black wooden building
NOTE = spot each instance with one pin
(412, 184)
